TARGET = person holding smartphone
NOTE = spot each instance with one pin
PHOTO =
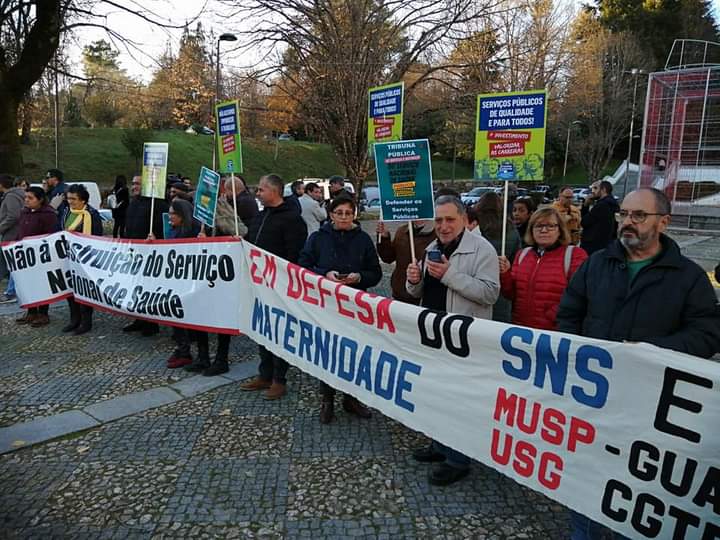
(459, 274)
(342, 252)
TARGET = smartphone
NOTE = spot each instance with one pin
(434, 255)
(342, 276)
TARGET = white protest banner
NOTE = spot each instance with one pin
(626, 434)
(31, 261)
(185, 282)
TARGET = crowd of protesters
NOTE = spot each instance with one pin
(605, 270)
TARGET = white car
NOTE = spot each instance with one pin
(473, 196)
(580, 194)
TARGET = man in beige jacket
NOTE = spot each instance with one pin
(461, 275)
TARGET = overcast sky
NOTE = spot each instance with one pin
(150, 41)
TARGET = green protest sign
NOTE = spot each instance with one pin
(154, 171)
(385, 113)
(206, 196)
(405, 180)
(229, 146)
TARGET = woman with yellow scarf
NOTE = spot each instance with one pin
(79, 216)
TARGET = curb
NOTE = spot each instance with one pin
(46, 428)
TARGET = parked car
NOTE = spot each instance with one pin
(373, 207)
(285, 137)
(473, 196)
(322, 182)
(581, 194)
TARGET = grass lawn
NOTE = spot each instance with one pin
(98, 155)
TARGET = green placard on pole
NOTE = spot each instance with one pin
(206, 197)
(227, 126)
(154, 171)
(510, 136)
(385, 113)
(404, 176)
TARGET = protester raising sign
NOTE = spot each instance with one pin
(623, 433)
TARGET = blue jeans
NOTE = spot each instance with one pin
(585, 528)
(10, 291)
(452, 457)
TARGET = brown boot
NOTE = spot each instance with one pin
(255, 384)
(276, 391)
(26, 318)
(353, 406)
(327, 411)
(40, 320)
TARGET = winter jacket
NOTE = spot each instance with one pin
(536, 284)
(279, 230)
(472, 280)
(37, 222)
(97, 228)
(10, 210)
(122, 196)
(598, 224)
(398, 251)
(312, 213)
(247, 207)
(342, 251)
(137, 219)
(571, 216)
(670, 303)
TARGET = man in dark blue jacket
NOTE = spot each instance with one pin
(641, 288)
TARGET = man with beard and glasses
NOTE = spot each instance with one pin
(641, 288)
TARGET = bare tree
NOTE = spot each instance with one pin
(597, 106)
(327, 53)
(30, 34)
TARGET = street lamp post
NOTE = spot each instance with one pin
(634, 72)
(223, 37)
(567, 145)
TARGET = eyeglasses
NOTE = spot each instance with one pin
(343, 214)
(545, 226)
(636, 216)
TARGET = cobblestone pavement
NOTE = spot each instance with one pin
(226, 464)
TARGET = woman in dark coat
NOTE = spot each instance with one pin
(79, 216)
(342, 252)
(182, 225)
(489, 212)
(122, 201)
(37, 218)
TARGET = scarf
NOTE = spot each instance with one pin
(76, 218)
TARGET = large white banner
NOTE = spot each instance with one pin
(624, 433)
(187, 282)
(628, 434)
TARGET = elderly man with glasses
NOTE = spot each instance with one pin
(569, 214)
(641, 288)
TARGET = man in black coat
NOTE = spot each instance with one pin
(598, 218)
(281, 230)
(137, 227)
(641, 288)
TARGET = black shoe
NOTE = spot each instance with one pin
(82, 329)
(444, 475)
(150, 329)
(327, 411)
(72, 325)
(198, 365)
(134, 326)
(218, 367)
(427, 455)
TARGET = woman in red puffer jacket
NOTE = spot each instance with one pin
(541, 272)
